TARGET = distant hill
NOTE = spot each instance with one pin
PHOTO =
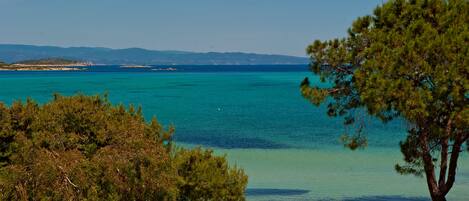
(48, 61)
(98, 55)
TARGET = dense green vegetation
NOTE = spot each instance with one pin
(49, 61)
(84, 148)
(206, 176)
(408, 60)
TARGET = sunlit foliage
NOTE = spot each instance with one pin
(84, 148)
(219, 183)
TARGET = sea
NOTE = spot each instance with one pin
(256, 117)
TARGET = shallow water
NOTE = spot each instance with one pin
(334, 174)
(289, 148)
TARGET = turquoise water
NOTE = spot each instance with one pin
(289, 148)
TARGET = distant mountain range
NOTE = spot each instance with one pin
(98, 55)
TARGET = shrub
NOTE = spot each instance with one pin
(84, 148)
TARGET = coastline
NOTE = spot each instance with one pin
(41, 69)
(45, 67)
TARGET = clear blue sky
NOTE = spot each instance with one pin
(260, 26)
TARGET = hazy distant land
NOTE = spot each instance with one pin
(138, 56)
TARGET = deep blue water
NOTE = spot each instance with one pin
(217, 106)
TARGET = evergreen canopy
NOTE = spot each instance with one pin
(410, 60)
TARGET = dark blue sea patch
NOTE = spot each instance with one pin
(119, 78)
(165, 96)
(136, 91)
(182, 85)
(265, 84)
(229, 142)
(274, 191)
(94, 83)
(387, 198)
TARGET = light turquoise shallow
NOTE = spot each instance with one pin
(289, 148)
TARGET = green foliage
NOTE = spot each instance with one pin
(84, 148)
(200, 184)
(49, 61)
(410, 60)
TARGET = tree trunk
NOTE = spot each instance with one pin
(438, 198)
(453, 164)
(429, 168)
(439, 190)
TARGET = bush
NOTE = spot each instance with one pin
(206, 177)
(84, 148)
